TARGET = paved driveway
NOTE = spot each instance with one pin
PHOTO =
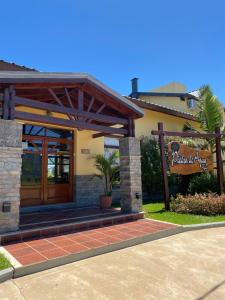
(186, 266)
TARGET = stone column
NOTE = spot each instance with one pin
(10, 171)
(130, 175)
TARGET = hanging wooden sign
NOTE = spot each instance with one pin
(185, 160)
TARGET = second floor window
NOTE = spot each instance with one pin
(191, 103)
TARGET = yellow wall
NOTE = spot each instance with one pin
(84, 163)
(145, 125)
(171, 102)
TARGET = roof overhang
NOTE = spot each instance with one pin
(47, 78)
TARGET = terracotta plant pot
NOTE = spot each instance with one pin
(105, 202)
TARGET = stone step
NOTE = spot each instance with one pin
(66, 220)
(72, 226)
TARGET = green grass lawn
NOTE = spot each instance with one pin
(4, 263)
(157, 211)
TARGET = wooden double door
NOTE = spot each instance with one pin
(47, 170)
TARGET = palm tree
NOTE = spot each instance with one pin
(108, 170)
(209, 115)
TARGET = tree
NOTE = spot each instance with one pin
(209, 115)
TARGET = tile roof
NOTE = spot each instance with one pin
(161, 108)
(11, 66)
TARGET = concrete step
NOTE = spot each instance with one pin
(67, 220)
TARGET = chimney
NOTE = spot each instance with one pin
(134, 83)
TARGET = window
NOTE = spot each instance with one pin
(58, 169)
(111, 145)
(191, 103)
(34, 130)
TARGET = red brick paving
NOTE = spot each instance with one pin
(40, 250)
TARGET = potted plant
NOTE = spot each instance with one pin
(108, 172)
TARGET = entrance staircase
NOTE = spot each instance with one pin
(56, 222)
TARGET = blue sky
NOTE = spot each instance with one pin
(158, 41)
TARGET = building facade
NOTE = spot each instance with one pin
(51, 126)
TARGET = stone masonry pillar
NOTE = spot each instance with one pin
(130, 175)
(10, 171)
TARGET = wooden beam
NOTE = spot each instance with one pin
(131, 127)
(12, 94)
(98, 111)
(58, 100)
(55, 97)
(68, 123)
(80, 100)
(67, 110)
(185, 134)
(91, 104)
(98, 135)
(122, 108)
(219, 162)
(29, 85)
(6, 96)
(163, 166)
(69, 98)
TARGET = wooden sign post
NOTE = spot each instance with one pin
(164, 167)
(219, 161)
(186, 160)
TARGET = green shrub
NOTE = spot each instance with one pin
(151, 166)
(203, 183)
(151, 169)
(199, 204)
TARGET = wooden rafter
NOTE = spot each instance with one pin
(80, 100)
(58, 100)
(69, 98)
(98, 111)
(91, 104)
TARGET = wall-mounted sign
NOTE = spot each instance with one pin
(185, 160)
(85, 151)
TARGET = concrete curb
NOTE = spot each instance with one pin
(20, 271)
(202, 226)
(30, 269)
(6, 274)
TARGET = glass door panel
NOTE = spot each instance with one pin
(59, 183)
(58, 169)
(31, 174)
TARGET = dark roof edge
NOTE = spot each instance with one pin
(162, 94)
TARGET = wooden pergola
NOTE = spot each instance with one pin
(79, 100)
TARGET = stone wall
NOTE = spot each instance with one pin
(10, 171)
(87, 190)
(130, 175)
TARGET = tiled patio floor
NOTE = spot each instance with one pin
(44, 249)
